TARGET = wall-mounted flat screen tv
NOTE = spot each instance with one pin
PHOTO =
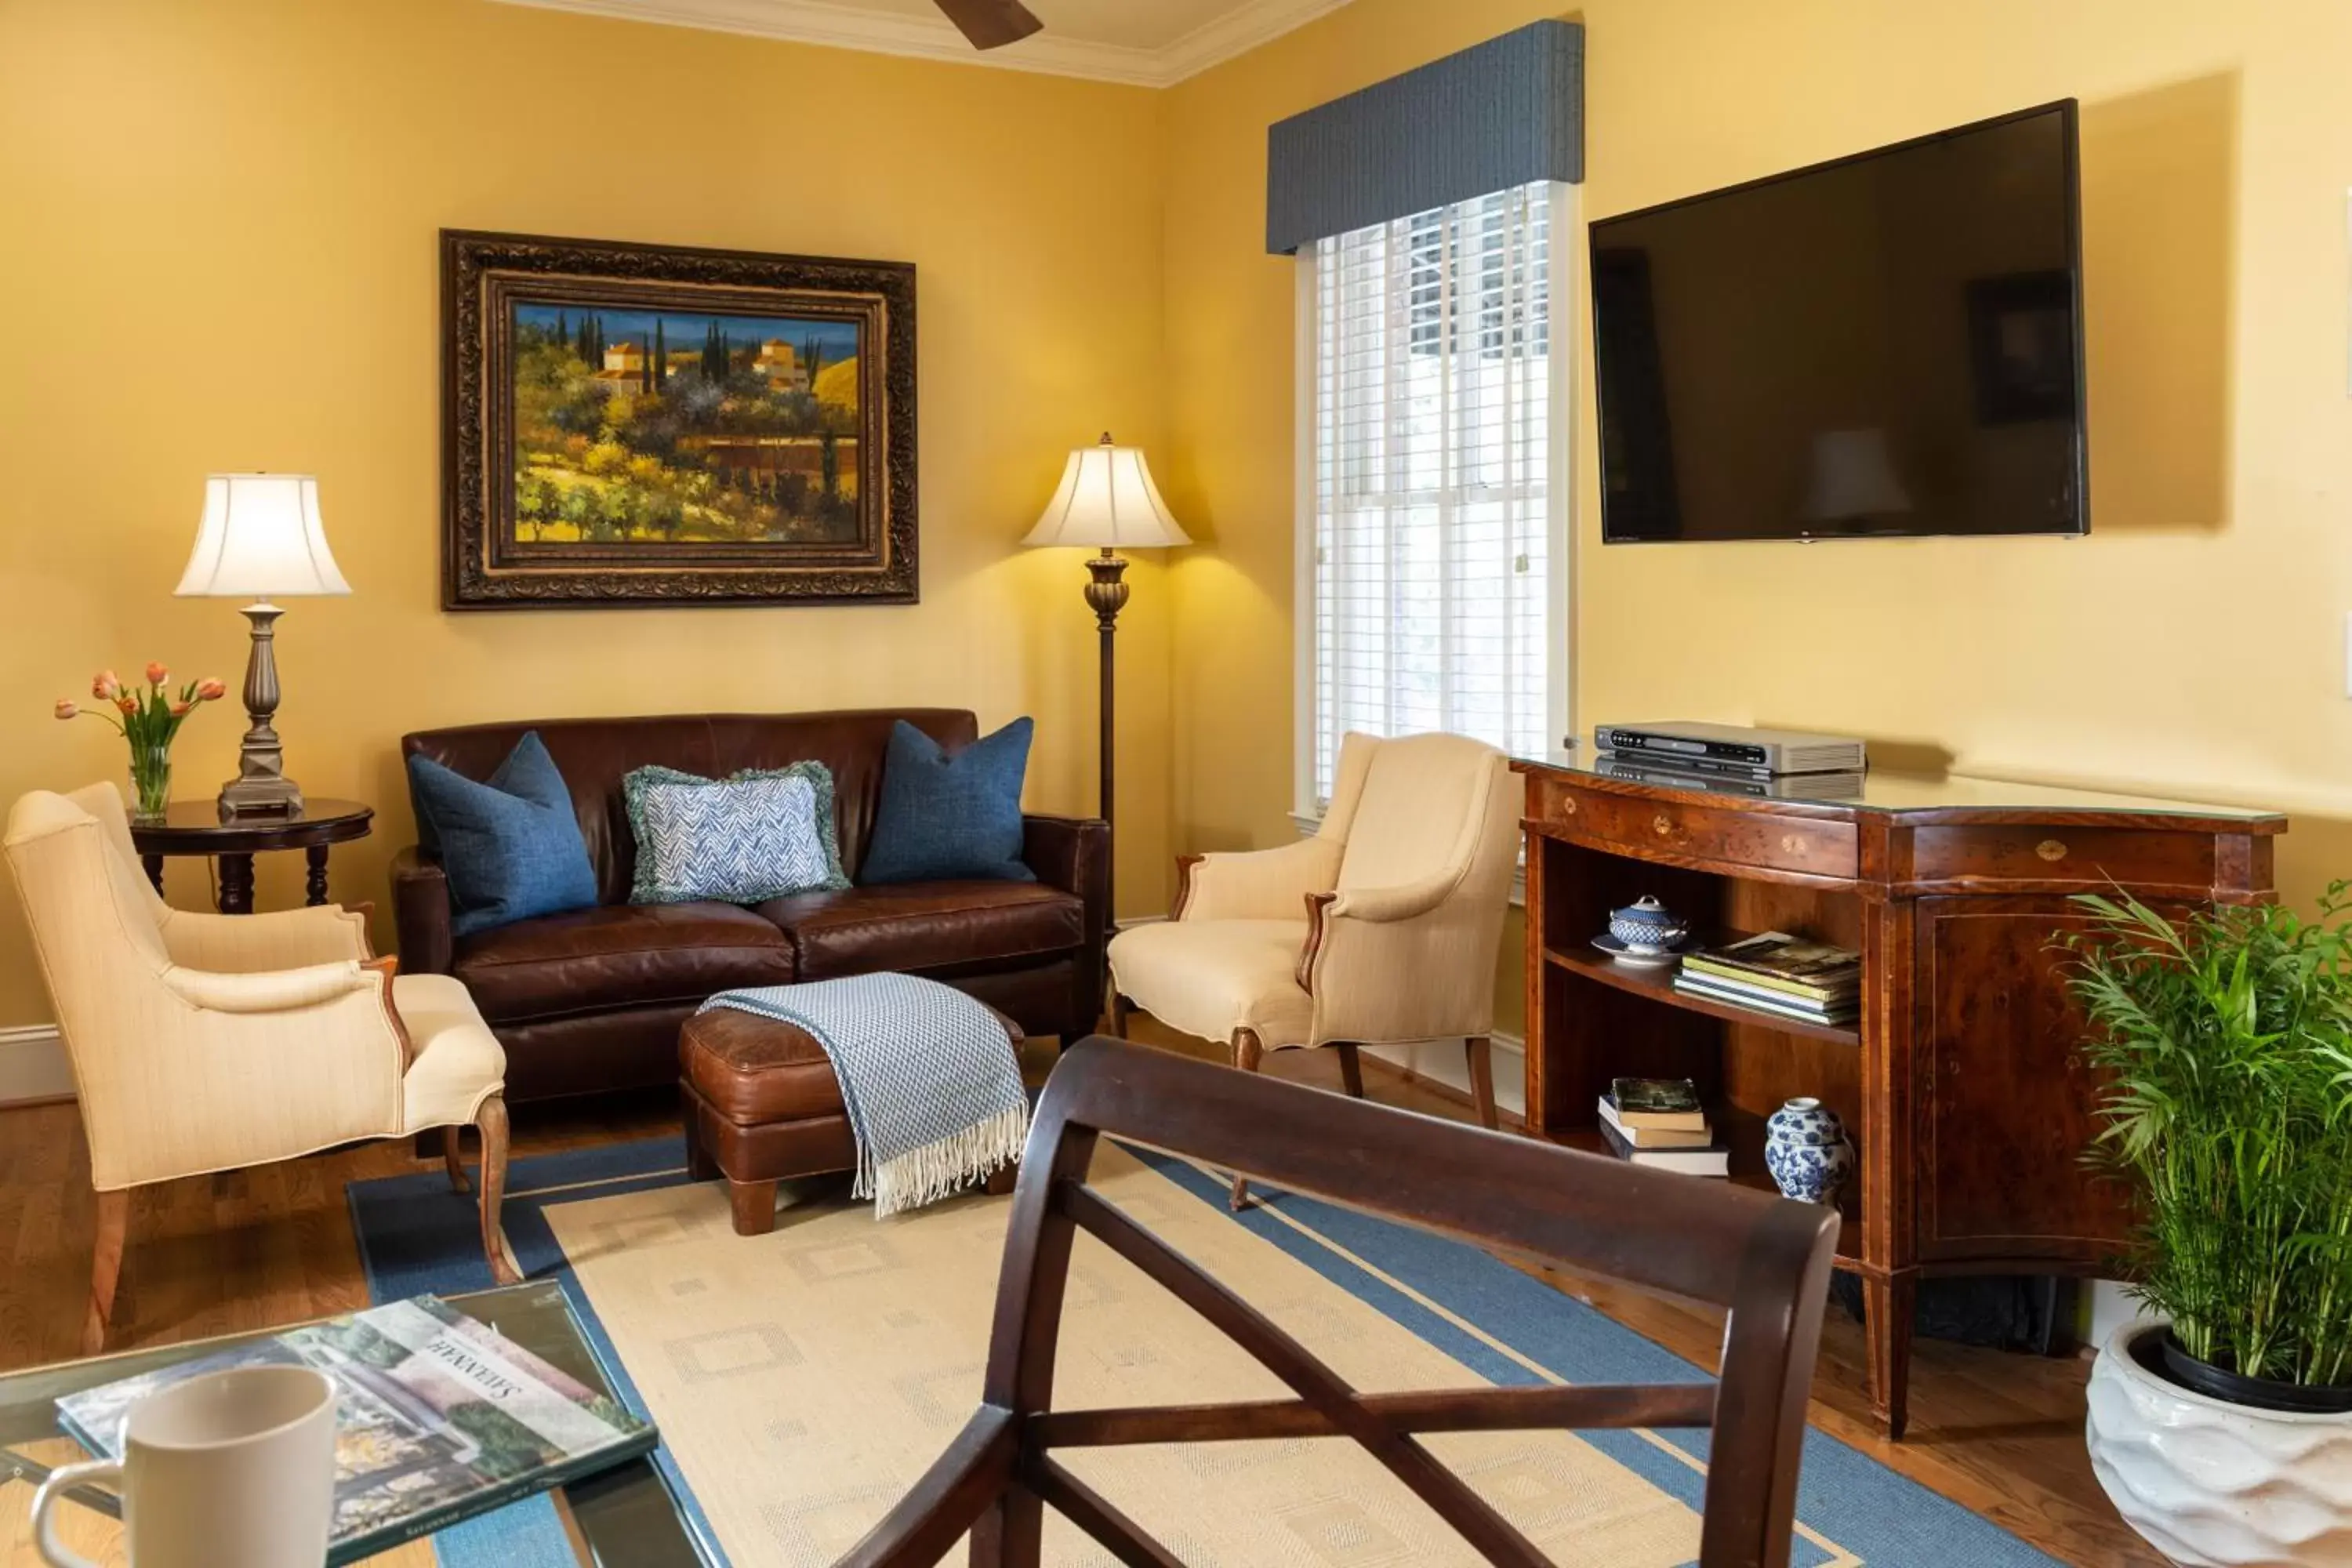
(1890, 344)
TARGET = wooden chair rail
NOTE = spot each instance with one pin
(1766, 1260)
(1490, 1188)
(1587, 1406)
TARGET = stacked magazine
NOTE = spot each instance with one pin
(440, 1418)
(1787, 976)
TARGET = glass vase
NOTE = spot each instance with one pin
(150, 779)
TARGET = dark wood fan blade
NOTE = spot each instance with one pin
(990, 22)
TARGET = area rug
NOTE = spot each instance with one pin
(802, 1380)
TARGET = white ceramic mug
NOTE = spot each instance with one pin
(235, 1466)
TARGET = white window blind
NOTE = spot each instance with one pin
(1432, 489)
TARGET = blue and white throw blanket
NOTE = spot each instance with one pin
(932, 1083)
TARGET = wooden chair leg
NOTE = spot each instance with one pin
(453, 1156)
(1120, 1010)
(1248, 1053)
(1481, 1051)
(492, 1119)
(106, 1267)
(1351, 1069)
(755, 1206)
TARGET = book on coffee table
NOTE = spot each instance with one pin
(439, 1418)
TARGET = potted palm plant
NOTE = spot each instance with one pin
(2221, 1423)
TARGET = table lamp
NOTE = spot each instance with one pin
(1107, 498)
(261, 538)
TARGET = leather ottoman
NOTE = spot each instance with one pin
(760, 1105)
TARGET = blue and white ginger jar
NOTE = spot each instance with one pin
(1808, 1152)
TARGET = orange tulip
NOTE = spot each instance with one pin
(182, 709)
(65, 708)
(156, 674)
(106, 686)
(127, 703)
(210, 690)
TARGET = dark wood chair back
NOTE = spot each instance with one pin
(1764, 1259)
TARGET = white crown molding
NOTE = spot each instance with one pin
(1236, 34)
(33, 1066)
(878, 32)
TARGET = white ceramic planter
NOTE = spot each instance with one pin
(2216, 1485)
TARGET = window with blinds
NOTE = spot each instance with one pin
(1436, 516)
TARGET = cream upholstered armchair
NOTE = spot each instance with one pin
(1380, 928)
(204, 1043)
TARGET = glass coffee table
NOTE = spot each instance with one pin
(626, 1515)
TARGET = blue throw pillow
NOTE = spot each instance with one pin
(512, 848)
(945, 816)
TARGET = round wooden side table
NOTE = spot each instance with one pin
(194, 827)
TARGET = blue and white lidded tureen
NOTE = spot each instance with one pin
(1646, 925)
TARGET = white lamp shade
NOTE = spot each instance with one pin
(1106, 498)
(261, 536)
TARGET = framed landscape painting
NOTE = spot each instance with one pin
(639, 424)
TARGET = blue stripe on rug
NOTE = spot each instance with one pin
(416, 1236)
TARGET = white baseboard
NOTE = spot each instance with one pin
(33, 1066)
(1443, 1061)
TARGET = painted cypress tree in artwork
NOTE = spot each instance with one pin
(661, 355)
(563, 329)
(645, 367)
(711, 370)
(813, 352)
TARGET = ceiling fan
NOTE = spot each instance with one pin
(989, 24)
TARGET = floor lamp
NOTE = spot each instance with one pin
(1107, 499)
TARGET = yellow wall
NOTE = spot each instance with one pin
(219, 253)
(219, 243)
(2194, 643)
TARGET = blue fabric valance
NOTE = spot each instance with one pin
(1502, 113)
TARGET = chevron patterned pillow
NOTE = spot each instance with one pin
(757, 834)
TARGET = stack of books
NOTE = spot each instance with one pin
(1659, 1121)
(1784, 975)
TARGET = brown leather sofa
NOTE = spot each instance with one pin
(591, 1000)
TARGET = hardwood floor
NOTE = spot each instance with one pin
(1999, 1434)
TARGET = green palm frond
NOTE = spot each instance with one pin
(2224, 1039)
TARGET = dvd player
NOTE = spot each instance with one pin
(1841, 785)
(1733, 749)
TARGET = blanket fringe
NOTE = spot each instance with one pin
(927, 1175)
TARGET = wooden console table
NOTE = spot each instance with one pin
(1962, 1084)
